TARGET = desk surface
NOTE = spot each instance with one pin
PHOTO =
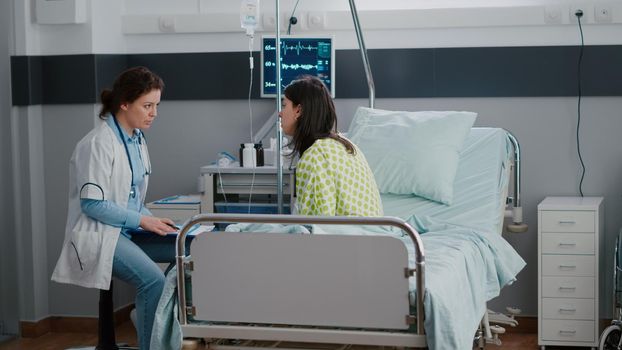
(268, 169)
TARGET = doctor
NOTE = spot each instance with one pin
(108, 176)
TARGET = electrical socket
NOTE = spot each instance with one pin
(316, 20)
(602, 13)
(553, 15)
(584, 8)
(167, 24)
(268, 20)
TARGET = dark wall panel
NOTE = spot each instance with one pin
(68, 79)
(202, 76)
(107, 67)
(601, 71)
(511, 71)
(26, 80)
(398, 73)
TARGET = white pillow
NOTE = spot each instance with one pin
(412, 152)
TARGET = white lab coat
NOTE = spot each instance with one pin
(99, 169)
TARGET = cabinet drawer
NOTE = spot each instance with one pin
(568, 330)
(568, 265)
(568, 309)
(250, 183)
(567, 243)
(567, 221)
(568, 287)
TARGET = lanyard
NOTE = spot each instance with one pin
(127, 151)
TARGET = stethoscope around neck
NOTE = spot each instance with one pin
(141, 136)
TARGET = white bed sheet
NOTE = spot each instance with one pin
(479, 189)
(465, 267)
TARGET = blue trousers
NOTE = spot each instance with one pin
(132, 265)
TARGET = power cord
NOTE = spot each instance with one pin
(222, 186)
(292, 20)
(579, 14)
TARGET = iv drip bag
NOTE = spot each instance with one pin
(249, 15)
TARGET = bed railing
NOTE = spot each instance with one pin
(419, 271)
(517, 224)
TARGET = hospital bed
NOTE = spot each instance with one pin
(355, 280)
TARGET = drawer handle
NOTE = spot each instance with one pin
(567, 222)
(567, 267)
(563, 332)
(561, 289)
(562, 310)
(569, 245)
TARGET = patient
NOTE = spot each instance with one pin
(332, 175)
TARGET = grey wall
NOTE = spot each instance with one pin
(64, 126)
(9, 314)
(187, 135)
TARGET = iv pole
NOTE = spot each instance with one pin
(359, 36)
(279, 131)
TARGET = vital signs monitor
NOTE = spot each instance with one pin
(300, 55)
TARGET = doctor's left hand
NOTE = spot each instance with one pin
(161, 226)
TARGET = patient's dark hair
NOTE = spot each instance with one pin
(318, 118)
(127, 88)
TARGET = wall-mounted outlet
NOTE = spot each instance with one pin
(316, 20)
(268, 21)
(584, 9)
(602, 13)
(553, 15)
(166, 24)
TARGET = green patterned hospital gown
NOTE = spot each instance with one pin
(330, 181)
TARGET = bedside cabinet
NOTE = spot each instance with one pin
(570, 250)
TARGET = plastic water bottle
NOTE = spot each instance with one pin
(249, 156)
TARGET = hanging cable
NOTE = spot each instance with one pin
(250, 84)
(292, 20)
(579, 14)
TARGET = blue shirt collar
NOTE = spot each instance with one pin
(111, 123)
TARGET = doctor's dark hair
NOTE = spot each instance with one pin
(127, 88)
(318, 118)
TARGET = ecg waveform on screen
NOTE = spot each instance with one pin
(285, 48)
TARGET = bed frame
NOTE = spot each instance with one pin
(363, 296)
(275, 312)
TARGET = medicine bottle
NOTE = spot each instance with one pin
(259, 154)
(248, 155)
(241, 155)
